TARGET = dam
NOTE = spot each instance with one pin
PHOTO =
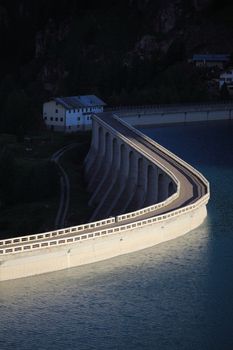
(141, 194)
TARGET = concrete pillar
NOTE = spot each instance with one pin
(98, 171)
(131, 184)
(98, 158)
(106, 172)
(92, 150)
(124, 163)
(95, 141)
(139, 197)
(121, 182)
(163, 179)
(152, 186)
(171, 188)
(161, 189)
(107, 194)
(90, 158)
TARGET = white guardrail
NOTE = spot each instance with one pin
(146, 210)
(52, 234)
(104, 232)
(101, 233)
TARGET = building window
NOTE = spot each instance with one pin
(56, 110)
(45, 118)
(51, 119)
(61, 119)
(78, 118)
(56, 119)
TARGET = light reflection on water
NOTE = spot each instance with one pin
(177, 295)
(104, 302)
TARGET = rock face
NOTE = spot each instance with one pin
(84, 43)
(3, 17)
(146, 46)
(167, 17)
(201, 4)
(157, 20)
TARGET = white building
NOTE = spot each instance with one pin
(227, 78)
(71, 113)
(210, 60)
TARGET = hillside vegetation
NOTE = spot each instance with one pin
(125, 51)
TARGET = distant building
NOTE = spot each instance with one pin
(72, 113)
(227, 79)
(213, 60)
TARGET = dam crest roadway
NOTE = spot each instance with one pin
(141, 194)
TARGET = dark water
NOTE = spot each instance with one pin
(178, 295)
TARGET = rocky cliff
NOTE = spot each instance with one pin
(125, 51)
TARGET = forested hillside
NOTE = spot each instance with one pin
(125, 51)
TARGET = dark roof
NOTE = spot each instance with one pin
(79, 101)
(212, 58)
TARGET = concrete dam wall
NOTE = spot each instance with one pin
(122, 179)
(142, 194)
(173, 114)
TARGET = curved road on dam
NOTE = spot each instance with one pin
(192, 187)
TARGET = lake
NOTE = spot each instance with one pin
(176, 295)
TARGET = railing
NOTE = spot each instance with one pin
(52, 234)
(148, 209)
(107, 232)
(213, 105)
